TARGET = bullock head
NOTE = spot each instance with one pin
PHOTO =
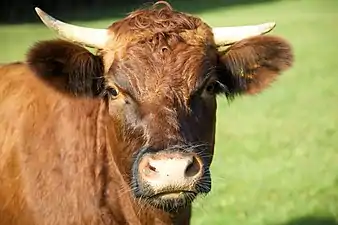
(158, 72)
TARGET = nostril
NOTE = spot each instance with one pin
(149, 170)
(194, 167)
(152, 168)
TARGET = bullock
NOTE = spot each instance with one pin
(124, 134)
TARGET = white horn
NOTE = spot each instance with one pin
(229, 35)
(90, 37)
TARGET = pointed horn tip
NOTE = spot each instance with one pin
(42, 14)
(39, 11)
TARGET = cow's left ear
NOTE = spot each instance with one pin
(250, 65)
(67, 67)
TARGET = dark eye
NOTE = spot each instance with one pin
(112, 92)
(211, 88)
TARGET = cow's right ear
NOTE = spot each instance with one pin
(67, 67)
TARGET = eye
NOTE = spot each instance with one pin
(211, 87)
(112, 92)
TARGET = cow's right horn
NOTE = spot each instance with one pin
(228, 35)
(90, 37)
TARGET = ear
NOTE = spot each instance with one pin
(67, 67)
(251, 65)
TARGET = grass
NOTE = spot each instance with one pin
(276, 160)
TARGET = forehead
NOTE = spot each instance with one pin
(161, 51)
(150, 70)
(144, 23)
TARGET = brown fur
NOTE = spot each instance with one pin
(255, 62)
(67, 144)
(47, 175)
(70, 64)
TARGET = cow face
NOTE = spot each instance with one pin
(166, 99)
(159, 73)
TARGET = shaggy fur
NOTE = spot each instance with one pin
(73, 123)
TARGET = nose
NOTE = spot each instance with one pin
(162, 170)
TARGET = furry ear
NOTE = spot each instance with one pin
(249, 66)
(67, 67)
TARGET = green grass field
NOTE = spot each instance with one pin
(276, 160)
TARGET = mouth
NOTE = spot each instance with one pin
(174, 194)
(171, 201)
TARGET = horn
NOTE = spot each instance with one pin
(228, 35)
(90, 37)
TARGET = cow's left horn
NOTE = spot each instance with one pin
(90, 37)
(229, 35)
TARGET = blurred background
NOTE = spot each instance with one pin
(276, 159)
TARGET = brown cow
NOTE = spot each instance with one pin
(126, 135)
